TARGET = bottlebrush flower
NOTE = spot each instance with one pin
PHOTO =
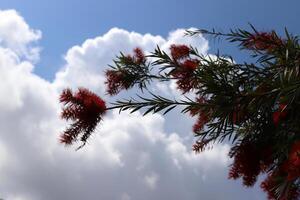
(292, 165)
(184, 73)
(190, 64)
(85, 109)
(195, 110)
(295, 154)
(280, 114)
(246, 163)
(179, 51)
(116, 81)
(271, 186)
(263, 41)
(139, 56)
(201, 121)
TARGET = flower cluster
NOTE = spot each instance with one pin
(129, 69)
(249, 162)
(85, 109)
(117, 81)
(271, 183)
(179, 51)
(185, 68)
(203, 115)
(139, 56)
(292, 165)
(280, 114)
(263, 41)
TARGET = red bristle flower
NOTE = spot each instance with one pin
(263, 41)
(186, 79)
(280, 114)
(246, 163)
(201, 121)
(295, 154)
(128, 60)
(190, 64)
(187, 84)
(85, 109)
(116, 81)
(197, 109)
(179, 51)
(139, 56)
(184, 72)
(271, 186)
(292, 165)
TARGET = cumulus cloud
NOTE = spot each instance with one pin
(16, 35)
(127, 158)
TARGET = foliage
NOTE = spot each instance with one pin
(255, 106)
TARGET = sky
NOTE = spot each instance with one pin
(46, 46)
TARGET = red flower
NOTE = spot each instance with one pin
(190, 64)
(271, 185)
(116, 81)
(85, 109)
(292, 165)
(139, 56)
(295, 154)
(249, 162)
(179, 51)
(201, 121)
(280, 114)
(263, 41)
(187, 80)
(195, 110)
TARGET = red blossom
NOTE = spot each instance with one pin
(190, 64)
(179, 51)
(197, 109)
(201, 121)
(271, 183)
(128, 60)
(139, 56)
(184, 73)
(280, 114)
(295, 154)
(263, 41)
(292, 165)
(249, 162)
(186, 85)
(116, 81)
(85, 109)
(203, 117)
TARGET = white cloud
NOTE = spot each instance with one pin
(128, 158)
(16, 35)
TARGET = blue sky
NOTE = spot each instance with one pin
(69, 22)
(128, 157)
